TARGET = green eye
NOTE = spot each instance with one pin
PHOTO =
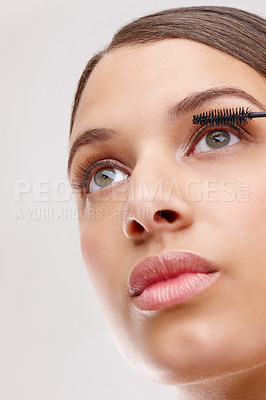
(216, 139)
(104, 177)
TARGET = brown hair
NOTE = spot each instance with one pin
(233, 31)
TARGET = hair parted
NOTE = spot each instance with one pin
(236, 32)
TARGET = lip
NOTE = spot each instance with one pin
(171, 278)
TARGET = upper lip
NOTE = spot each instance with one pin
(167, 265)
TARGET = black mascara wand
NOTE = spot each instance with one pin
(226, 116)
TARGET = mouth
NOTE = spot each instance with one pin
(169, 279)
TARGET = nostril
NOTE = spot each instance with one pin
(135, 227)
(167, 215)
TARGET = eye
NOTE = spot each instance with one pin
(215, 139)
(104, 177)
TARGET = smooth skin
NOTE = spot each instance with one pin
(214, 345)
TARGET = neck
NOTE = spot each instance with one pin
(248, 384)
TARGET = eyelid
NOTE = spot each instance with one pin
(199, 133)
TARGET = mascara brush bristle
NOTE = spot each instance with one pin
(223, 117)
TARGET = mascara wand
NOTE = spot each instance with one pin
(226, 116)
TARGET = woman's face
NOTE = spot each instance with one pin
(215, 197)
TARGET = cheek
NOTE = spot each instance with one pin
(236, 213)
(103, 249)
(238, 224)
(96, 250)
(248, 217)
(257, 205)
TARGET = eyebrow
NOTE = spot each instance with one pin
(88, 136)
(195, 100)
(185, 106)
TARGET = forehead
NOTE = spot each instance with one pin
(137, 79)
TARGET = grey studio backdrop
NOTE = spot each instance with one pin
(54, 341)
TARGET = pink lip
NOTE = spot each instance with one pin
(170, 278)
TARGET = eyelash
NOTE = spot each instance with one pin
(85, 171)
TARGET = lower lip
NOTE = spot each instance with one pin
(174, 291)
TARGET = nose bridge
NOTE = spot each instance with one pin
(152, 176)
(155, 200)
(156, 179)
(146, 185)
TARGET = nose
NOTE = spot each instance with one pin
(149, 212)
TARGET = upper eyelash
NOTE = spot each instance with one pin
(84, 171)
(87, 168)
